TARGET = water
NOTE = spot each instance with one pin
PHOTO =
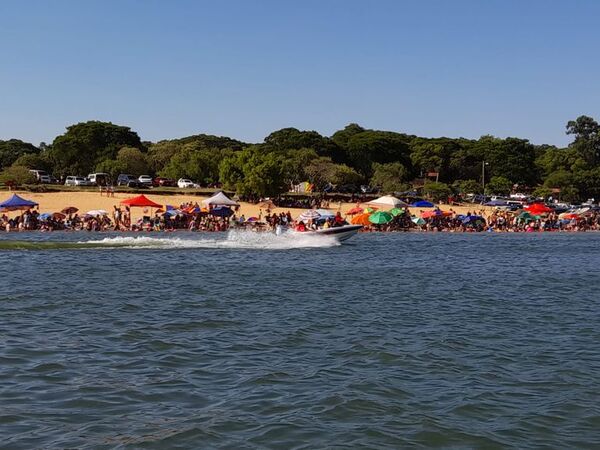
(254, 341)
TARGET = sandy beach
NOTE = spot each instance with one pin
(85, 201)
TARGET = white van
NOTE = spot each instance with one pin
(41, 175)
(98, 179)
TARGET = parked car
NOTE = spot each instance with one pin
(145, 179)
(161, 181)
(41, 175)
(124, 178)
(72, 180)
(185, 183)
(99, 179)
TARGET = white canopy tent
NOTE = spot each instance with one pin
(219, 199)
(388, 201)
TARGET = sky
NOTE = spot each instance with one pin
(245, 68)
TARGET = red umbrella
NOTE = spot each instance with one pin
(355, 210)
(140, 201)
(435, 213)
(538, 208)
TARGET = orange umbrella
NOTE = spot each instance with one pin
(361, 219)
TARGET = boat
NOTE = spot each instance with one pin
(340, 234)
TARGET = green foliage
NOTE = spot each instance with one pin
(87, 144)
(253, 172)
(196, 163)
(33, 161)
(499, 185)
(323, 171)
(18, 175)
(437, 191)
(511, 158)
(133, 160)
(391, 177)
(587, 138)
(467, 187)
(368, 147)
(13, 149)
(295, 162)
(294, 139)
(542, 192)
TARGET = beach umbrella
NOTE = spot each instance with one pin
(58, 216)
(538, 208)
(387, 201)
(466, 220)
(418, 221)
(422, 204)
(370, 209)
(96, 212)
(16, 203)
(140, 201)
(308, 215)
(435, 213)
(69, 210)
(252, 219)
(44, 216)
(221, 211)
(380, 217)
(496, 203)
(361, 219)
(325, 213)
(396, 211)
(569, 216)
(355, 210)
(526, 216)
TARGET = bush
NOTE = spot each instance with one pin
(17, 175)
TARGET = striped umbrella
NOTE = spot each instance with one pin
(309, 214)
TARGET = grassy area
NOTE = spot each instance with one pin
(200, 192)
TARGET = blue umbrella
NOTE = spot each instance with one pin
(221, 211)
(422, 204)
(472, 219)
(45, 216)
(15, 203)
(496, 203)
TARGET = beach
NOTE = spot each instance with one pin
(50, 202)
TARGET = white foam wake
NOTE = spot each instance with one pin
(231, 240)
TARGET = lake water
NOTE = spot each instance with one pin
(254, 341)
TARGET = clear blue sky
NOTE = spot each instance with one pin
(245, 68)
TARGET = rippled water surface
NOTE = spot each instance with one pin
(254, 341)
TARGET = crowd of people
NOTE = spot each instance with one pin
(190, 216)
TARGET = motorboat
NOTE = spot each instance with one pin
(341, 233)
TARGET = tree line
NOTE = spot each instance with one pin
(350, 157)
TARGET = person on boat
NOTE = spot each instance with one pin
(338, 220)
(301, 227)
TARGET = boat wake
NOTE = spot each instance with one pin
(230, 240)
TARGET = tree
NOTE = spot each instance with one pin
(499, 185)
(18, 175)
(437, 191)
(323, 171)
(12, 149)
(253, 172)
(368, 147)
(133, 160)
(587, 138)
(85, 145)
(467, 187)
(33, 161)
(390, 177)
(294, 139)
(511, 158)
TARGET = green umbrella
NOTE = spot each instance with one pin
(396, 211)
(526, 216)
(418, 220)
(380, 217)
